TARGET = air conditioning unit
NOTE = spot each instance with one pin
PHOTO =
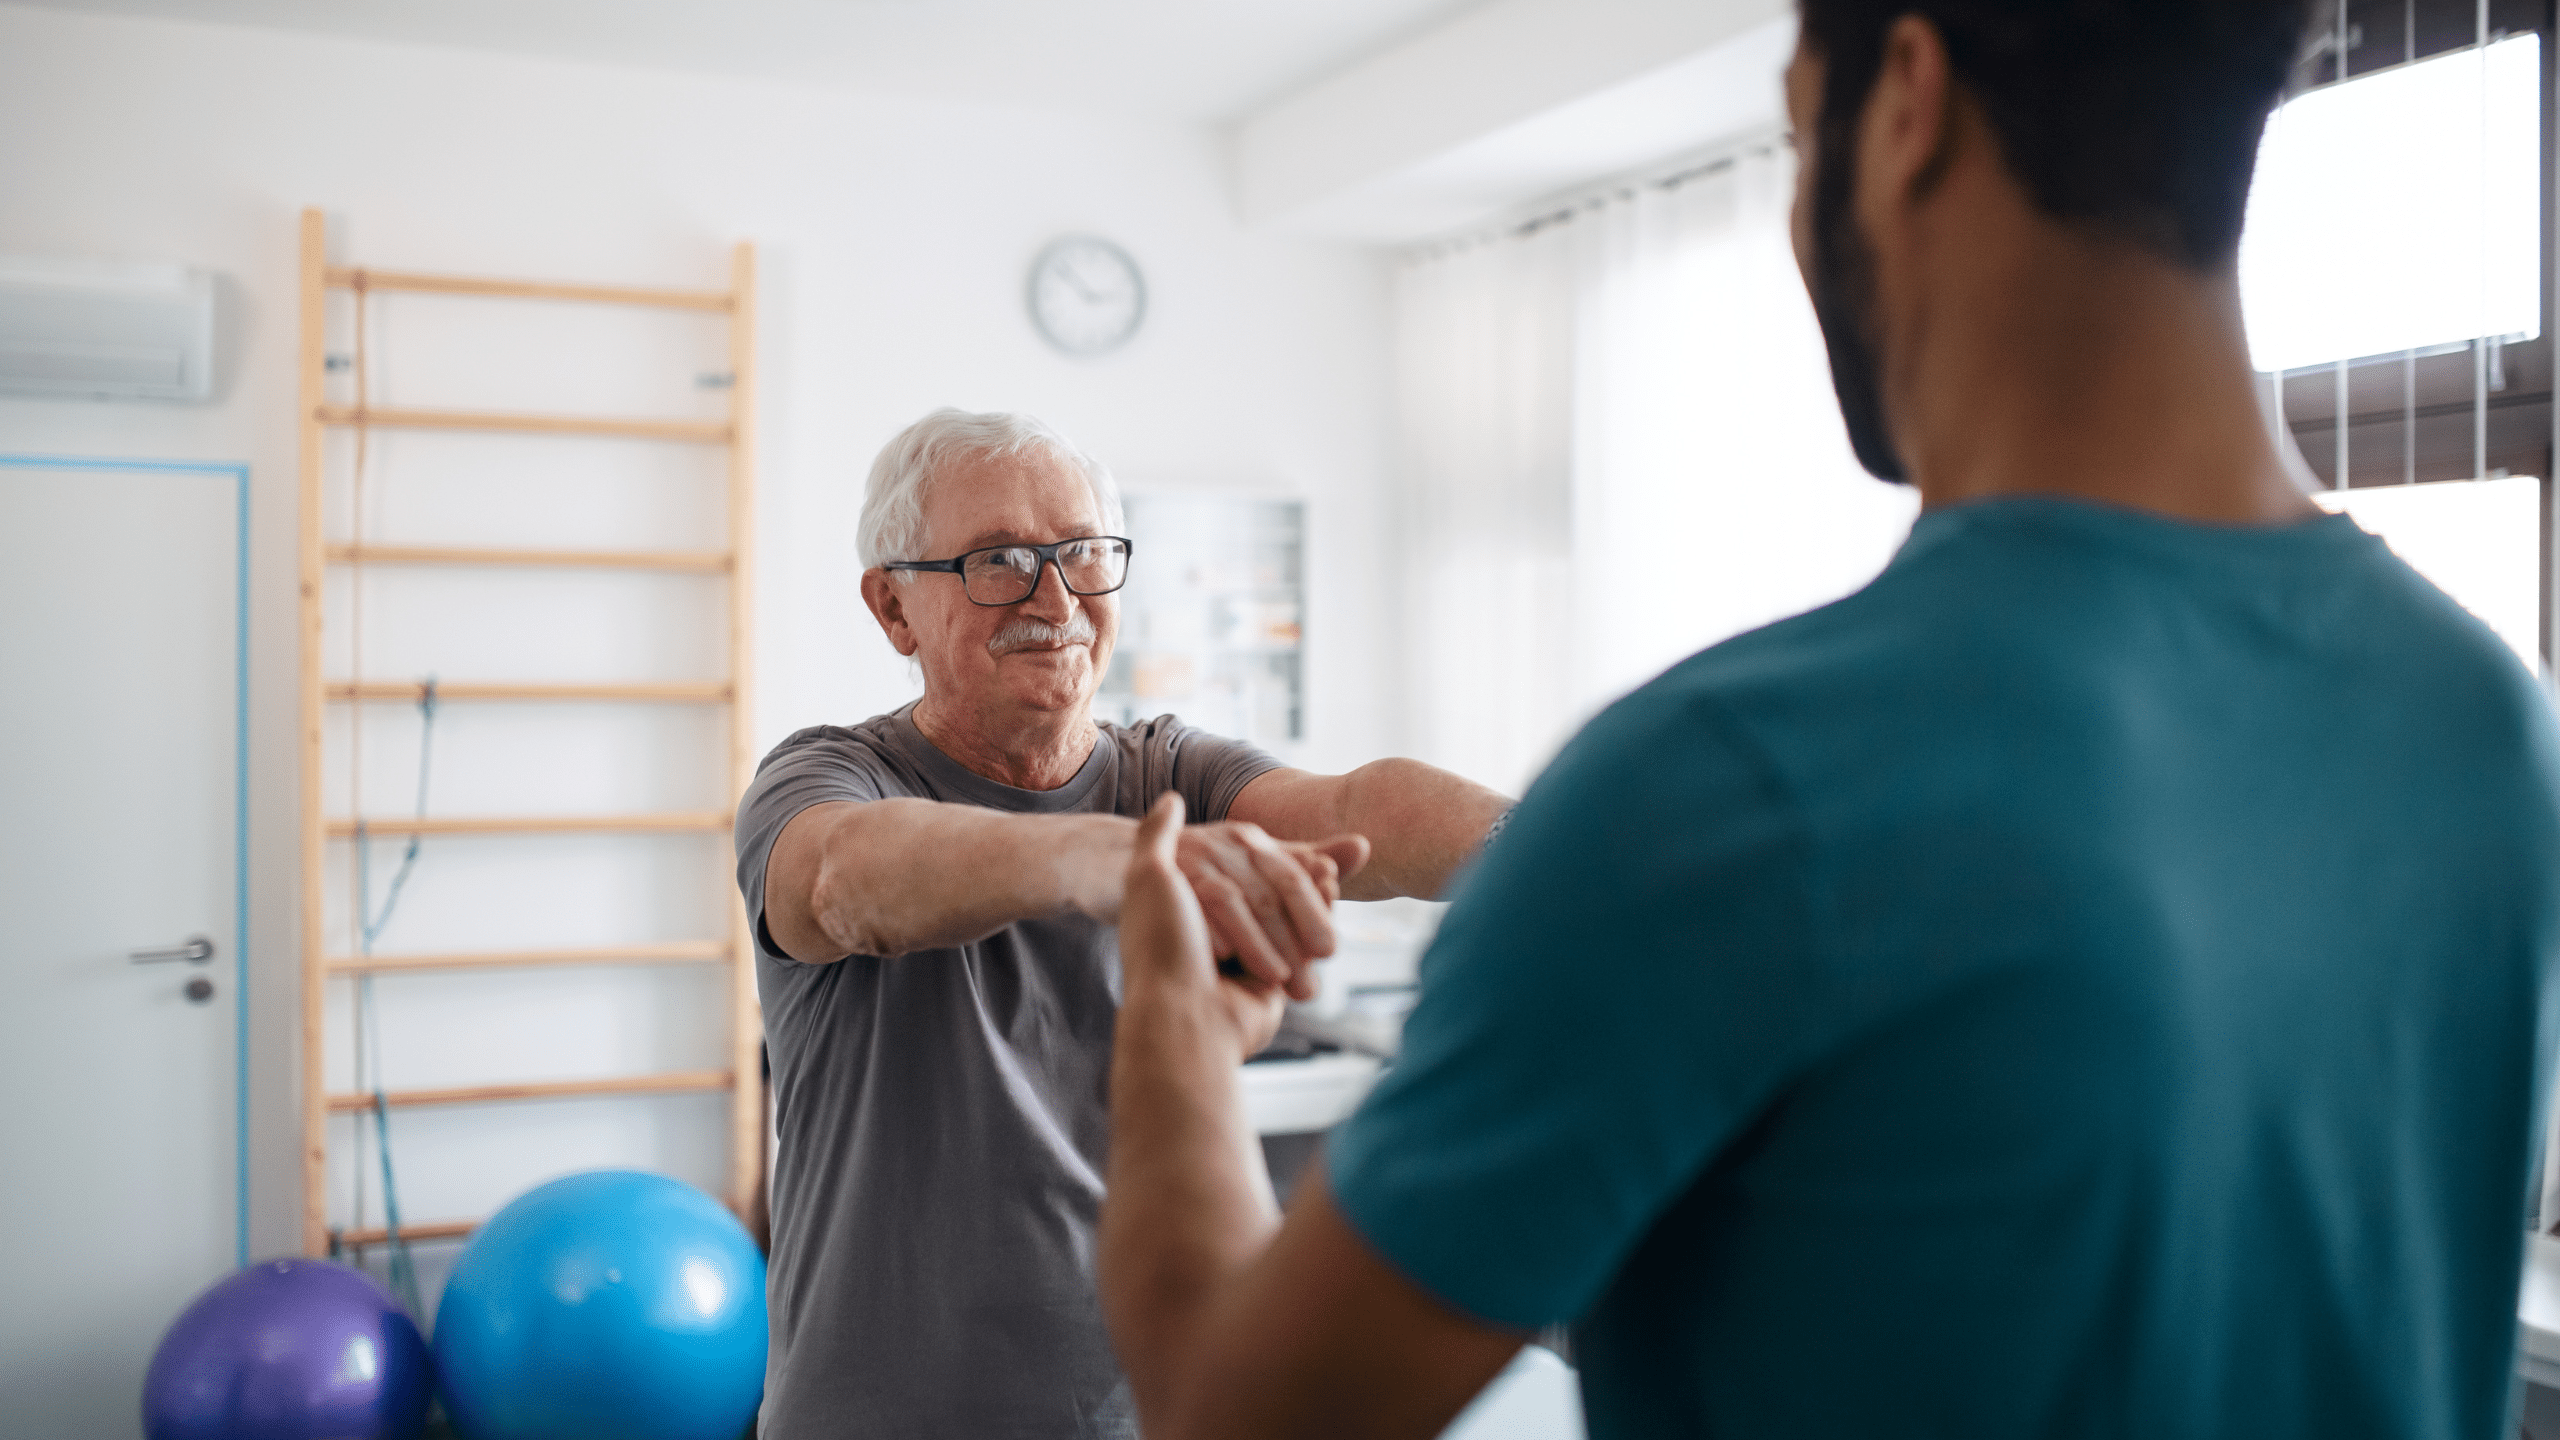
(105, 329)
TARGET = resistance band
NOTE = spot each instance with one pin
(370, 925)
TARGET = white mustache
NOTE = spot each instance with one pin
(1029, 634)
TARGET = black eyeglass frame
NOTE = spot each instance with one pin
(957, 565)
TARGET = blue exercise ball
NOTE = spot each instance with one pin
(289, 1350)
(612, 1305)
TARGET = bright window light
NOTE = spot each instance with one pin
(2399, 211)
(2480, 541)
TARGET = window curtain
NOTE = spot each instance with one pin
(1620, 446)
(1485, 379)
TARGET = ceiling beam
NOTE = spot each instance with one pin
(1491, 70)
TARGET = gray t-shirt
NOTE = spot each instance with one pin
(943, 1117)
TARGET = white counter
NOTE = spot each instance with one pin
(1293, 1097)
(2538, 1308)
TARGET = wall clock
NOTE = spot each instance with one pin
(1086, 295)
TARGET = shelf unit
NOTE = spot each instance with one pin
(741, 1078)
(1212, 627)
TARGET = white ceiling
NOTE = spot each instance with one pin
(1511, 104)
(1376, 121)
(1697, 104)
(1193, 60)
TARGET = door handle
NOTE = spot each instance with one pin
(197, 950)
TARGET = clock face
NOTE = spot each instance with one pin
(1086, 295)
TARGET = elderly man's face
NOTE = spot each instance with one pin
(1046, 653)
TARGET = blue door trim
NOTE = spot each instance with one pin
(239, 475)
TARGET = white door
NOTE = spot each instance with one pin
(118, 781)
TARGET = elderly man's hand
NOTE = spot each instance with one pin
(1268, 903)
(1165, 944)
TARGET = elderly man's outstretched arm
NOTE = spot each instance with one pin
(896, 876)
(1422, 823)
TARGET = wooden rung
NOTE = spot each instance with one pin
(701, 432)
(670, 822)
(372, 1235)
(674, 952)
(674, 1082)
(706, 562)
(685, 692)
(348, 278)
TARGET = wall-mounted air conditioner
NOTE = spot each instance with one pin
(105, 329)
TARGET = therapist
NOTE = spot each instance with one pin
(2095, 981)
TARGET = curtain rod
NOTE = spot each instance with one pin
(1563, 206)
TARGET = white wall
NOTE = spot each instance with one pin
(894, 236)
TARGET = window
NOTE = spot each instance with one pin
(2394, 277)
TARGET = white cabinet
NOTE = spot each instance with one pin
(1212, 619)
(2538, 1311)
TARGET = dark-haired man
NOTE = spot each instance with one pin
(2095, 981)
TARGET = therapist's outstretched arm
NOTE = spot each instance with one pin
(1230, 1322)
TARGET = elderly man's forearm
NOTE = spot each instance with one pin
(899, 876)
(1425, 823)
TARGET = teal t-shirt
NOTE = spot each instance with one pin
(2092, 981)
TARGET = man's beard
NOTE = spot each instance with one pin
(1842, 286)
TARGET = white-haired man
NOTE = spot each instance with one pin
(933, 892)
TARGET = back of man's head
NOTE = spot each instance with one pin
(2137, 118)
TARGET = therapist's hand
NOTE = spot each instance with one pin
(1230, 1323)
(1168, 963)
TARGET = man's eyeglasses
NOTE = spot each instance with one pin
(1007, 574)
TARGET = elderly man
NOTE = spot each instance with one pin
(933, 891)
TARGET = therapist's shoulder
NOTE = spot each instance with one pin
(1887, 671)
(1757, 680)
(1903, 619)
(1741, 747)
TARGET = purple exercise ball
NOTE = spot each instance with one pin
(290, 1350)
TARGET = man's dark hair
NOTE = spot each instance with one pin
(2139, 118)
